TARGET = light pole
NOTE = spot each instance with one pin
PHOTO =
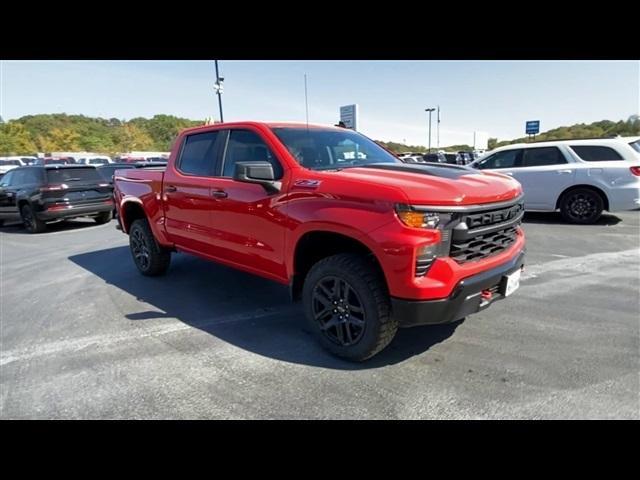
(218, 88)
(429, 110)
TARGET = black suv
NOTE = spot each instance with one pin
(41, 194)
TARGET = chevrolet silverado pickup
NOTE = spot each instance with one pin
(367, 242)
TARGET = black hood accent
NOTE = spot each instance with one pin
(434, 169)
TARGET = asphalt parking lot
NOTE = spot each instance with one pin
(84, 336)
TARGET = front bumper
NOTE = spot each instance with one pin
(464, 300)
(73, 211)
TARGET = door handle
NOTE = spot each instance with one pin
(170, 188)
(219, 194)
(560, 172)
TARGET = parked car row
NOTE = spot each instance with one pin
(452, 158)
(50, 192)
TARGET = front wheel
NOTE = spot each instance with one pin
(150, 258)
(347, 305)
(582, 205)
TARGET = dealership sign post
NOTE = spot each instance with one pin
(532, 127)
(349, 116)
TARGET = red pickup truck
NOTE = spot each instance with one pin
(368, 242)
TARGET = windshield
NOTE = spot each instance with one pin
(319, 149)
(10, 162)
(636, 145)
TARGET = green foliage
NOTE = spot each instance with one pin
(62, 132)
(601, 129)
(15, 138)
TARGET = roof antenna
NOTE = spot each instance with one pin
(306, 100)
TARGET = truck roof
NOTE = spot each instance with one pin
(270, 124)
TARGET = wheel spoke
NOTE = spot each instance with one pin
(355, 321)
(340, 333)
(327, 293)
(347, 330)
(331, 323)
(321, 314)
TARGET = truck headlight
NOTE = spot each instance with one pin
(419, 219)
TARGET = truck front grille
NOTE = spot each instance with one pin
(483, 246)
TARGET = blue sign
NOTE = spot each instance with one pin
(532, 127)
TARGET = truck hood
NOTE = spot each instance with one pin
(437, 184)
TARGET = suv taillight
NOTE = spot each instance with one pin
(635, 171)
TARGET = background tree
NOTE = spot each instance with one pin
(15, 140)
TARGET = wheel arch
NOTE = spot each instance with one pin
(131, 211)
(314, 245)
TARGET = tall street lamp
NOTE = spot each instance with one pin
(218, 88)
(429, 110)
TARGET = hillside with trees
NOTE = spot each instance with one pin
(61, 132)
(601, 129)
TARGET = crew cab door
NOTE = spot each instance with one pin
(186, 191)
(248, 220)
(544, 174)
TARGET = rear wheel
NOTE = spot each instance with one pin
(150, 258)
(347, 306)
(104, 217)
(582, 205)
(30, 221)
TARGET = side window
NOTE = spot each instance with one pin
(198, 154)
(595, 153)
(6, 180)
(506, 159)
(537, 157)
(19, 178)
(247, 146)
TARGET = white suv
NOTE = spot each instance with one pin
(581, 178)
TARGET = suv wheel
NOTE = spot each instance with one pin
(581, 205)
(30, 221)
(104, 217)
(149, 257)
(347, 306)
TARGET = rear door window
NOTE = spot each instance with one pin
(596, 153)
(538, 157)
(198, 155)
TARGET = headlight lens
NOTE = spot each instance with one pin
(418, 219)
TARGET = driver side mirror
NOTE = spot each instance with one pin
(257, 172)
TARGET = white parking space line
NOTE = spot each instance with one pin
(584, 264)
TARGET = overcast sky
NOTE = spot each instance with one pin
(491, 96)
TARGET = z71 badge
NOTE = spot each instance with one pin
(307, 183)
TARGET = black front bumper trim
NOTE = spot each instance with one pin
(464, 300)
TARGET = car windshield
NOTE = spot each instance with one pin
(10, 162)
(320, 149)
(635, 145)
